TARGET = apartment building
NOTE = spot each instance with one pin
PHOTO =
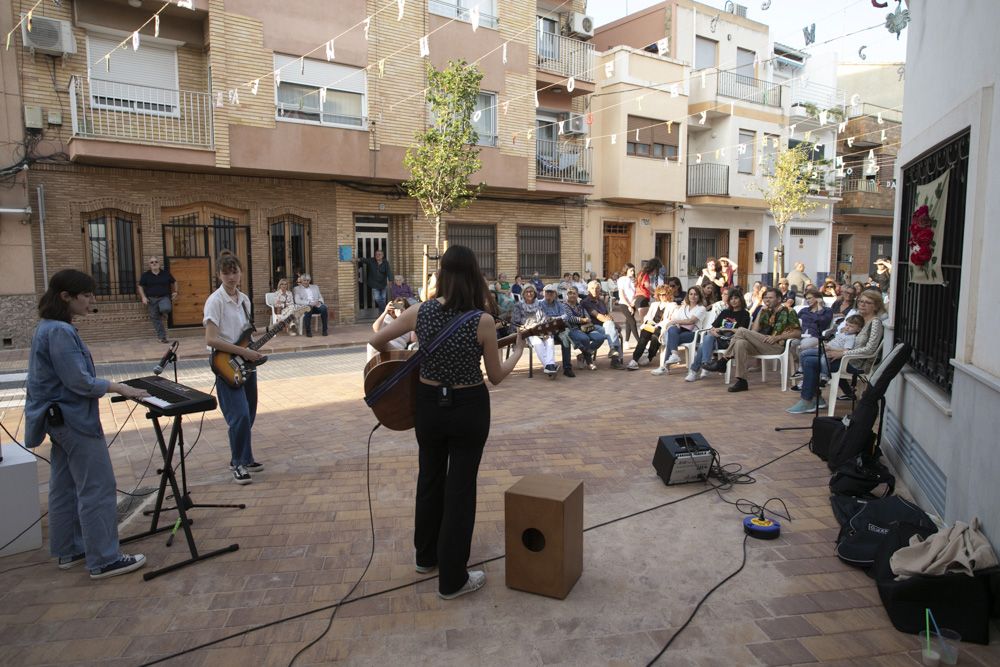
(741, 92)
(237, 124)
(639, 128)
(868, 146)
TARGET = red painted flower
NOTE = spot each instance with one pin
(921, 237)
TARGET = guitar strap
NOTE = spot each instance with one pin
(249, 316)
(421, 352)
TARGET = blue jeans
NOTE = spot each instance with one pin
(614, 340)
(588, 342)
(320, 310)
(709, 344)
(378, 295)
(158, 307)
(811, 361)
(239, 407)
(677, 337)
(83, 513)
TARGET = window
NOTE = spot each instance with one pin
(143, 81)
(745, 161)
(705, 51)
(770, 153)
(482, 239)
(289, 247)
(705, 243)
(460, 9)
(548, 38)
(649, 137)
(486, 126)
(538, 250)
(320, 92)
(745, 63)
(926, 316)
(112, 249)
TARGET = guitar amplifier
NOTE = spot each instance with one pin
(683, 458)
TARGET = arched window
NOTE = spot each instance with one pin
(112, 249)
(290, 250)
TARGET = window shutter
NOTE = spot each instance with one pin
(145, 79)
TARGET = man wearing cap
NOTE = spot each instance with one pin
(597, 308)
(552, 308)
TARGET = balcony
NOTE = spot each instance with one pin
(866, 196)
(140, 114)
(566, 162)
(749, 89)
(708, 179)
(565, 56)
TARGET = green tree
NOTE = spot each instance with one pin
(445, 155)
(787, 195)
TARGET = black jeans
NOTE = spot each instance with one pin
(647, 338)
(631, 328)
(451, 445)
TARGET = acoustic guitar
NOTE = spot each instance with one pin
(398, 406)
(233, 368)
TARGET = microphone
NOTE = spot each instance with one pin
(158, 368)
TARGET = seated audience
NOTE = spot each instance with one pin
(844, 303)
(517, 286)
(284, 299)
(867, 342)
(597, 310)
(399, 289)
(308, 294)
(578, 284)
(537, 282)
(582, 331)
(392, 311)
(527, 313)
(734, 316)
(553, 309)
(829, 288)
(755, 299)
(786, 294)
(650, 333)
(679, 293)
(681, 327)
(775, 324)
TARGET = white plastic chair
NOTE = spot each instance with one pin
(269, 299)
(834, 384)
(688, 349)
(784, 359)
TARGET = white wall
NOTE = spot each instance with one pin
(948, 89)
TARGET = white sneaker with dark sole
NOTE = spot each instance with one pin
(672, 359)
(241, 476)
(476, 580)
(658, 371)
(123, 565)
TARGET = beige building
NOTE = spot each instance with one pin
(639, 179)
(240, 126)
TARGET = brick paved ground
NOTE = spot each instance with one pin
(304, 539)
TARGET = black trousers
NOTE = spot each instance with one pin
(631, 328)
(451, 444)
(646, 338)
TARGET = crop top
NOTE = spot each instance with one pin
(456, 361)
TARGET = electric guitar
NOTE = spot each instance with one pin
(396, 409)
(233, 368)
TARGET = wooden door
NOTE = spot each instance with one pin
(194, 285)
(744, 257)
(617, 246)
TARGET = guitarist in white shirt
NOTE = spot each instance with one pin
(226, 318)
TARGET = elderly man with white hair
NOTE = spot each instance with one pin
(307, 294)
(597, 309)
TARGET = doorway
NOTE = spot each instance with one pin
(744, 258)
(371, 233)
(881, 247)
(617, 246)
(664, 249)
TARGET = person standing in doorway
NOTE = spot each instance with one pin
(378, 274)
(157, 289)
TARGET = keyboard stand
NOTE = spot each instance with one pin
(167, 477)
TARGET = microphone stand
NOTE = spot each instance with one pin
(819, 389)
(185, 498)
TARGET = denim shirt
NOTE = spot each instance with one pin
(555, 310)
(61, 370)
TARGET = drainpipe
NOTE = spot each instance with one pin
(14, 211)
(41, 232)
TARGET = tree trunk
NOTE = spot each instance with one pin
(437, 237)
(779, 263)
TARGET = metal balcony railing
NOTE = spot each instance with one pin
(821, 96)
(565, 56)
(861, 185)
(143, 114)
(749, 89)
(707, 179)
(566, 162)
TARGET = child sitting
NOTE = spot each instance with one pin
(844, 340)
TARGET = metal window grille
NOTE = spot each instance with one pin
(538, 251)
(289, 247)
(926, 316)
(702, 244)
(111, 249)
(481, 239)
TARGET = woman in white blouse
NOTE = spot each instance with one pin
(681, 327)
(626, 297)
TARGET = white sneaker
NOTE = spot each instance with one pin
(704, 374)
(632, 365)
(658, 371)
(672, 359)
(692, 376)
(592, 366)
(476, 580)
(644, 361)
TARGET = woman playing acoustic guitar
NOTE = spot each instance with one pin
(227, 316)
(452, 418)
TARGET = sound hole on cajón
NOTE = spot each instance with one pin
(533, 540)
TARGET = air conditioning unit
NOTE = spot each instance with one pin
(52, 37)
(575, 124)
(581, 25)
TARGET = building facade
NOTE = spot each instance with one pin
(234, 125)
